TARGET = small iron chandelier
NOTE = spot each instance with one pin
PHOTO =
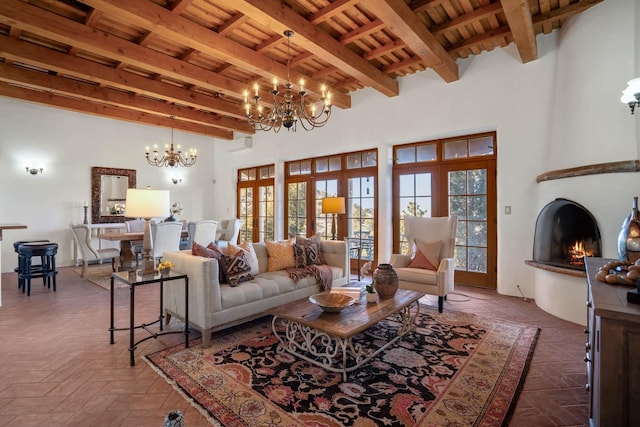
(288, 111)
(171, 158)
(631, 95)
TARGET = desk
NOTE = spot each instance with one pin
(125, 239)
(134, 279)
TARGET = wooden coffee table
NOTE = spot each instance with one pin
(326, 339)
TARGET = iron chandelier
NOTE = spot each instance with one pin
(290, 109)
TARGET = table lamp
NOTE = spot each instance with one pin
(333, 206)
(147, 204)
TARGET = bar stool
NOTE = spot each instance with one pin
(36, 268)
(47, 253)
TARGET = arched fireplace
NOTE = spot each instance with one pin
(565, 233)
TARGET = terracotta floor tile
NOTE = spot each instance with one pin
(67, 373)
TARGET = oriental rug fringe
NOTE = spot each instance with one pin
(455, 369)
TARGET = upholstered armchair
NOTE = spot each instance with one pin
(228, 230)
(430, 266)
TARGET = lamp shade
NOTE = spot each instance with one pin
(333, 205)
(142, 203)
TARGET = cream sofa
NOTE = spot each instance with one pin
(214, 306)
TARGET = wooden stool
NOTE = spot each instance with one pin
(47, 253)
(36, 268)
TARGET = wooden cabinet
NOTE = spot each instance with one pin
(612, 352)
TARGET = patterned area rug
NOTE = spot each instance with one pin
(455, 369)
(99, 274)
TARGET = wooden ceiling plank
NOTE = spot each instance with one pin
(103, 110)
(48, 59)
(166, 24)
(362, 31)
(231, 24)
(422, 5)
(179, 6)
(468, 18)
(328, 12)
(403, 22)
(276, 16)
(519, 18)
(74, 88)
(48, 25)
(383, 50)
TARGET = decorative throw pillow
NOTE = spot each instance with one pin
(206, 251)
(211, 251)
(300, 256)
(427, 255)
(236, 268)
(280, 254)
(312, 249)
(247, 247)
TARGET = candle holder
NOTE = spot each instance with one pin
(86, 220)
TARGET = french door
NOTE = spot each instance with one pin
(256, 203)
(461, 184)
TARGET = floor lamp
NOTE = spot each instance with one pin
(333, 206)
(147, 204)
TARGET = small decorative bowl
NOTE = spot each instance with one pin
(332, 303)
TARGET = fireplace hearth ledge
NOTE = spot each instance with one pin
(555, 269)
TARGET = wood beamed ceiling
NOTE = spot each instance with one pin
(187, 63)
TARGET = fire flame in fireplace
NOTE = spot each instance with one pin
(577, 252)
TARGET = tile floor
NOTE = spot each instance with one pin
(58, 369)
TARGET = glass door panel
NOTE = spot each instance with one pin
(322, 222)
(245, 212)
(266, 215)
(361, 218)
(416, 199)
(469, 199)
(297, 209)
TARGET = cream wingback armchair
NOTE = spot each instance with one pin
(228, 229)
(430, 266)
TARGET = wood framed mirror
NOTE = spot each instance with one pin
(109, 192)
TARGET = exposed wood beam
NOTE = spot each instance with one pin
(518, 14)
(111, 112)
(42, 23)
(278, 17)
(166, 24)
(403, 22)
(74, 88)
(42, 57)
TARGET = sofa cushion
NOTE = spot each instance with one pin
(236, 267)
(416, 275)
(427, 255)
(312, 248)
(247, 247)
(280, 254)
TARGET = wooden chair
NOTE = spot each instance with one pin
(82, 236)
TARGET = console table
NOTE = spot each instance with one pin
(133, 279)
(612, 352)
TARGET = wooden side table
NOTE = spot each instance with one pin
(133, 279)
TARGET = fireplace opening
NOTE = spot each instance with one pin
(565, 233)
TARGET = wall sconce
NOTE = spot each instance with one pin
(176, 180)
(33, 171)
(631, 95)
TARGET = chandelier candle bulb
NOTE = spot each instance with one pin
(255, 86)
(275, 84)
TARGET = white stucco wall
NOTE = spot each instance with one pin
(560, 111)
